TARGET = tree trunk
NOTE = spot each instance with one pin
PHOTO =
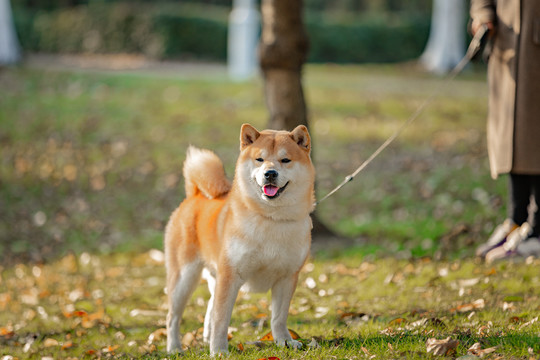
(446, 43)
(283, 50)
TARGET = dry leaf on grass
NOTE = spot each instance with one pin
(49, 342)
(110, 349)
(313, 344)
(6, 333)
(443, 347)
(157, 335)
(477, 304)
(477, 350)
(270, 337)
(529, 323)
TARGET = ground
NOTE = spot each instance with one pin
(90, 163)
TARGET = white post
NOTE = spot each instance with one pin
(446, 43)
(9, 45)
(244, 29)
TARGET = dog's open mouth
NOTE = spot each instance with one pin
(273, 191)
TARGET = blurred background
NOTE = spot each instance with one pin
(340, 31)
(103, 98)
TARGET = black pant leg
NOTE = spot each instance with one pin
(535, 187)
(519, 196)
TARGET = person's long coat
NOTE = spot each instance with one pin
(513, 128)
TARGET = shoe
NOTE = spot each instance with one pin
(497, 238)
(530, 247)
(509, 248)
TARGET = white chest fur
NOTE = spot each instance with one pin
(268, 251)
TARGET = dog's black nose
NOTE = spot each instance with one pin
(271, 175)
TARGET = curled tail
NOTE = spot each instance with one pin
(204, 173)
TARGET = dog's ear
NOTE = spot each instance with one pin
(248, 135)
(300, 135)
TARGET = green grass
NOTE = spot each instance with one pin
(90, 169)
(97, 156)
(91, 306)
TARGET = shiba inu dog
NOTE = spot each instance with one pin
(253, 234)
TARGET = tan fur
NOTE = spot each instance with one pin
(244, 234)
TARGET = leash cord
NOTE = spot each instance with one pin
(473, 48)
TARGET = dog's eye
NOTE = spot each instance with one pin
(285, 160)
(259, 159)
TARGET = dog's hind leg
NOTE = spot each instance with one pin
(180, 288)
(209, 311)
(227, 286)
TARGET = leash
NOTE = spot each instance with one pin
(474, 46)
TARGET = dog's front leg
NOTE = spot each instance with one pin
(227, 286)
(282, 293)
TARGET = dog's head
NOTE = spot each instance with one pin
(275, 166)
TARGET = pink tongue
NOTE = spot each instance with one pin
(270, 190)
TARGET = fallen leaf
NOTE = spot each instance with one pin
(468, 282)
(110, 348)
(230, 331)
(321, 311)
(387, 332)
(528, 323)
(49, 342)
(270, 337)
(313, 344)
(67, 345)
(397, 322)
(426, 321)
(6, 333)
(477, 350)
(443, 347)
(157, 335)
(351, 318)
(508, 306)
(188, 339)
(516, 320)
(477, 304)
(76, 313)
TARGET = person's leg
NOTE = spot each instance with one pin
(519, 196)
(535, 186)
(531, 246)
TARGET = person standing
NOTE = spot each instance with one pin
(513, 125)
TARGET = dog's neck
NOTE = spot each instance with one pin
(272, 212)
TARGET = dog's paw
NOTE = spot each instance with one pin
(175, 349)
(219, 353)
(291, 344)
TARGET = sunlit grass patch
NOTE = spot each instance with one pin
(348, 307)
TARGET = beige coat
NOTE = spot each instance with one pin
(513, 127)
